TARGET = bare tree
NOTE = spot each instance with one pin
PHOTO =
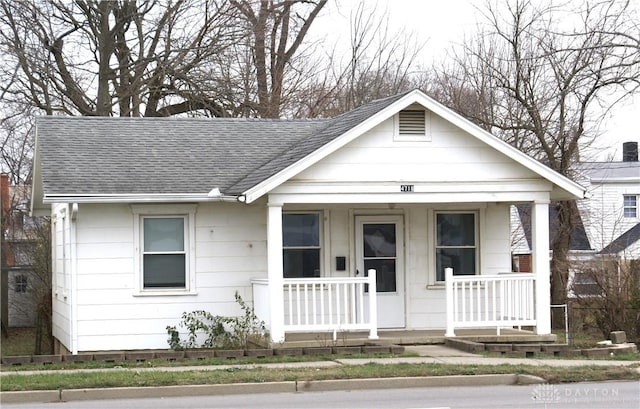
(16, 143)
(127, 58)
(538, 77)
(379, 63)
(278, 29)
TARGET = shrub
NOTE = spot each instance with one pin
(612, 301)
(239, 332)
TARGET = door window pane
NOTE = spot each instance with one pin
(379, 250)
(385, 274)
(379, 240)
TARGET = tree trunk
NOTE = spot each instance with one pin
(563, 225)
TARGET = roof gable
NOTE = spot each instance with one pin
(335, 128)
(345, 128)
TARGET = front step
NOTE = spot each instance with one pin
(524, 349)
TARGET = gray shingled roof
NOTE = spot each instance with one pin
(578, 239)
(103, 156)
(611, 170)
(623, 241)
(95, 155)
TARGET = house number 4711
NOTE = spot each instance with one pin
(406, 188)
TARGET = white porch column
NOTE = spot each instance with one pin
(540, 265)
(448, 282)
(274, 271)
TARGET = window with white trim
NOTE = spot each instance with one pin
(164, 255)
(630, 206)
(456, 243)
(165, 261)
(301, 245)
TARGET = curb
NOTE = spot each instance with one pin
(66, 395)
(407, 382)
(30, 396)
(175, 391)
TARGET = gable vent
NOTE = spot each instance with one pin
(412, 122)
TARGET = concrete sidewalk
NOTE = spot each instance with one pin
(428, 354)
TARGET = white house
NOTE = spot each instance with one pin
(153, 217)
(608, 227)
(612, 215)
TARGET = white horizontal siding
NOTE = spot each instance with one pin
(602, 213)
(451, 155)
(230, 250)
(496, 245)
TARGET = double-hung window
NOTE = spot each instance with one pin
(164, 255)
(456, 243)
(301, 244)
(164, 237)
(630, 206)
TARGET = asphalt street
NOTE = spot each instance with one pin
(610, 395)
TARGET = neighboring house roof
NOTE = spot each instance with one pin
(623, 241)
(94, 158)
(611, 172)
(578, 240)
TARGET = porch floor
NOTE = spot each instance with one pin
(413, 337)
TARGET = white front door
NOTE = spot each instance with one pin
(380, 246)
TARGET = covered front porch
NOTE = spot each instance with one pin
(344, 305)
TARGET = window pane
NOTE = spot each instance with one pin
(163, 234)
(629, 201)
(385, 274)
(456, 229)
(298, 263)
(630, 206)
(463, 262)
(164, 270)
(301, 230)
(379, 240)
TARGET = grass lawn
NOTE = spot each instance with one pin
(132, 378)
(21, 341)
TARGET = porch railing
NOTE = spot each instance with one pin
(326, 304)
(481, 301)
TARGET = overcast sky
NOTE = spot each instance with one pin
(441, 23)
